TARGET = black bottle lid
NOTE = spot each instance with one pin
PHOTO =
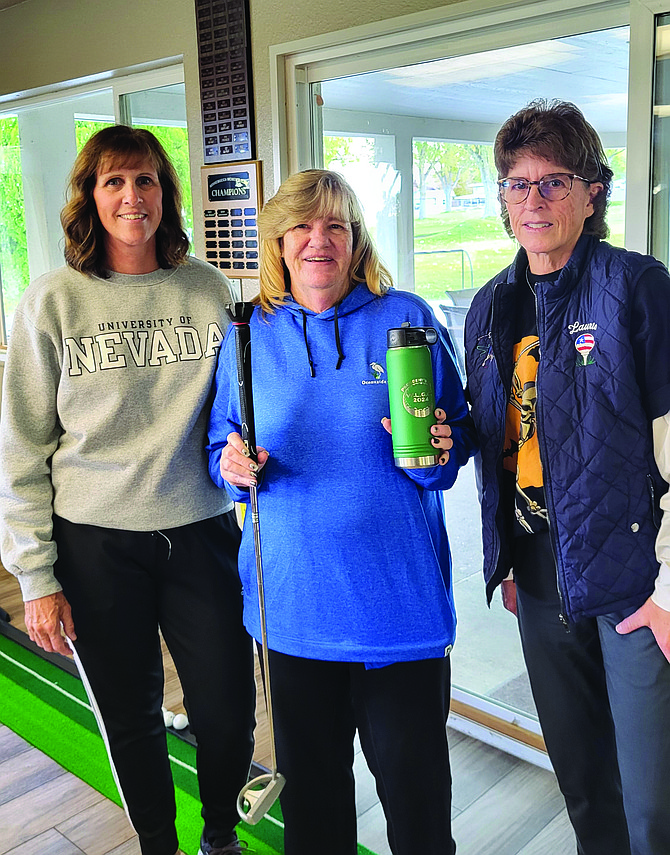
(407, 336)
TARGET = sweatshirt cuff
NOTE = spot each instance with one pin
(436, 477)
(661, 595)
(38, 583)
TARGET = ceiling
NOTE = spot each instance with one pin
(590, 69)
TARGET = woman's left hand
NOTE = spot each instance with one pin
(441, 434)
(657, 619)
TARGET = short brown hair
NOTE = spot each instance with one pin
(556, 130)
(306, 196)
(84, 233)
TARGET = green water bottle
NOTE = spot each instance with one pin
(411, 395)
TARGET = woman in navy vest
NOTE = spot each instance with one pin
(568, 359)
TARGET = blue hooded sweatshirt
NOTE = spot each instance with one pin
(355, 554)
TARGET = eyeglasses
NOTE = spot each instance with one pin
(551, 187)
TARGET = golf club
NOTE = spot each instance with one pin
(259, 794)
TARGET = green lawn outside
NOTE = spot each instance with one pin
(485, 244)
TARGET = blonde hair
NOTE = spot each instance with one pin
(84, 233)
(302, 198)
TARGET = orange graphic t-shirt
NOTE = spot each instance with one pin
(521, 451)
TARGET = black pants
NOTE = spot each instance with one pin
(401, 713)
(603, 701)
(123, 587)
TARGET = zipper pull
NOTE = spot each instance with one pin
(654, 508)
(564, 621)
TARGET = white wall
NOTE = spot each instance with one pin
(43, 42)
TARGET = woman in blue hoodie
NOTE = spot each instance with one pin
(360, 614)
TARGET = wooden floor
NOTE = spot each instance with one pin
(46, 811)
(501, 805)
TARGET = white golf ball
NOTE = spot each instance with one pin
(168, 717)
(180, 721)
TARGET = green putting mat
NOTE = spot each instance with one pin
(48, 707)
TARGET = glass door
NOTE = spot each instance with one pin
(660, 195)
(416, 144)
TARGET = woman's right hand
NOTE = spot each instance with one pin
(44, 618)
(236, 466)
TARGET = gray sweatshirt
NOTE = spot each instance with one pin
(105, 402)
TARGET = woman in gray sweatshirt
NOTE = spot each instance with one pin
(108, 516)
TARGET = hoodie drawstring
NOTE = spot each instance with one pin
(340, 353)
(309, 352)
(338, 343)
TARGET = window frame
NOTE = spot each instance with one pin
(121, 83)
(469, 27)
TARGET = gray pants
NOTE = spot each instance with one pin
(603, 700)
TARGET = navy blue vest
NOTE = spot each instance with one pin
(601, 481)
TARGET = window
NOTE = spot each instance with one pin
(660, 235)
(408, 113)
(162, 111)
(439, 120)
(39, 141)
(13, 245)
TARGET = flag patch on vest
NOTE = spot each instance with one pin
(585, 344)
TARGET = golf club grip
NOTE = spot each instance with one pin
(243, 353)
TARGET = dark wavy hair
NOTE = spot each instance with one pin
(556, 130)
(84, 234)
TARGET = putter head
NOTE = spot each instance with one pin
(257, 797)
